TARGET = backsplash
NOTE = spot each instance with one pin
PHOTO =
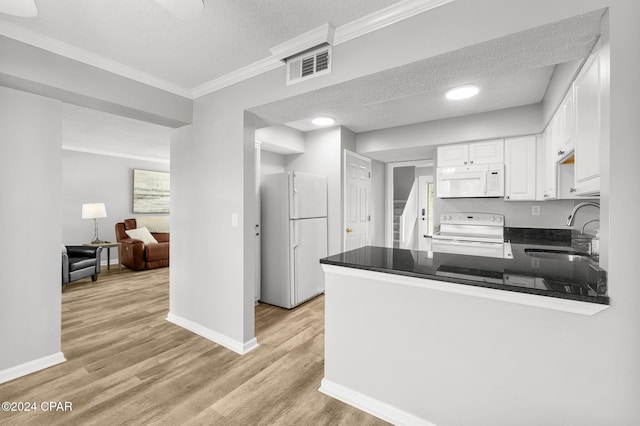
(553, 214)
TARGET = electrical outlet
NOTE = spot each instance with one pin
(535, 210)
(535, 263)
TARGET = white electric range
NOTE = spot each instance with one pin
(475, 234)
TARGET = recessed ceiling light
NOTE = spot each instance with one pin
(463, 92)
(323, 121)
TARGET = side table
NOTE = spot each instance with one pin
(108, 245)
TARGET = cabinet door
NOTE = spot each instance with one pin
(453, 155)
(567, 125)
(486, 152)
(588, 128)
(548, 166)
(520, 166)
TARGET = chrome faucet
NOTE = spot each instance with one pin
(588, 222)
(578, 207)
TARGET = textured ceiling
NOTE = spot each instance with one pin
(511, 71)
(92, 130)
(229, 35)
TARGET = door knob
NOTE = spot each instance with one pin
(349, 230)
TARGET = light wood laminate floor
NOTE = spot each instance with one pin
(127, 365)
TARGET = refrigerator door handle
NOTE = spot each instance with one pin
(294, 196)
(295, 244)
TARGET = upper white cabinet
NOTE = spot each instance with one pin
(547, 165)
(591, 89)
(575, 133)
(486, 152)
(520, 168)
(564, 128)
(453, 155)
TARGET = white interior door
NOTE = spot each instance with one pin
(258, 268)
(357, 190)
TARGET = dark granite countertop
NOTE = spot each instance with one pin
(579, 280)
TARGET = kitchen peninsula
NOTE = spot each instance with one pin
(407, 333)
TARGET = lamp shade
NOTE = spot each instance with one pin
(93, 211)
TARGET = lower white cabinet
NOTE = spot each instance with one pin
(520, 168)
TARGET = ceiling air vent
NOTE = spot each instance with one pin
(308, 65)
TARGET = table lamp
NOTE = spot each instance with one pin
(94, 211)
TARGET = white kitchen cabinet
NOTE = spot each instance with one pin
(563, 135)
(485, 152)
(453, 155)
(566, 184)
(547, 165)
(590, 87)
(520, 168)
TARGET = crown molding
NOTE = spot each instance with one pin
(317, 36)
(384, 17)
(365, 25)
(244, 73)
(61, 48)
(114, 154)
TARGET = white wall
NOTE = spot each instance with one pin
(92, 178)
(270, 162)
(38, 71)
(322, 153)
(403, 178)
(455, 359)
(525, 120)
(561, 79)
(30, 258)
(553, 214)
(281, 139)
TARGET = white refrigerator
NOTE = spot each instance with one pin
(294, 237)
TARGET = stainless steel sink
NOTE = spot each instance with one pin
(567, 256)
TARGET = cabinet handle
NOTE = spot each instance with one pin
(572, 190)
(471, 162)
(507, 197)
(560, 152)
(465, 162)
(545, 196)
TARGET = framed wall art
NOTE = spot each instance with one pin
(151, 191)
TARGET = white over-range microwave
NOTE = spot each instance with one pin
(484, 180)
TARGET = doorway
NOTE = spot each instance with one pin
(409, 207)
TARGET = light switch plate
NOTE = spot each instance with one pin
(535, 210)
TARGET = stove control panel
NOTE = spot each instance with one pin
(487, 219)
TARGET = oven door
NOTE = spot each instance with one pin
(471, 248)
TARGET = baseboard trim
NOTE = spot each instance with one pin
(369, 405)
(31, 367)
(219, 338)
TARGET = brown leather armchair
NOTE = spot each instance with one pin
(135, 255)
